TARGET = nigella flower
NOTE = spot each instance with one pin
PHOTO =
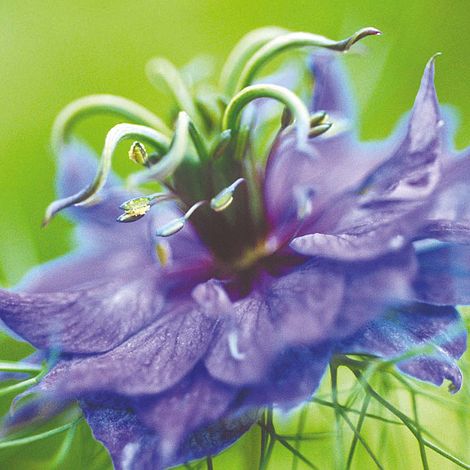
(233, 286)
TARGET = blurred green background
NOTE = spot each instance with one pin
(55, 51)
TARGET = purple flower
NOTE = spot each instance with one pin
(234, 287)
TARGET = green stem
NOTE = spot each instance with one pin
(267, 456)
(6, 366)
(408, 423)
(17, 387)
(361, 440)
(38, 437)
(264, 438)
(422, 448)
(294, 451)
(284, 443)
(360, 422)
(23, 384)
(269, 428)
(358, 412)
(65, 447)
(300, 430)
(410, 388)
(339, 433)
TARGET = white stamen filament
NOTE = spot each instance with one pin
(233, 346)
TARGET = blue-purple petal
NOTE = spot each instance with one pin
(133, 446)
(332, 164)
(162, 353)
(88, 266)
(366, 232)
(413, 171)
(94, 318)
(197, 401)
(372, 288)
(213, 439)
(449, 219)
(241, 349)
(305, 303)
(297, 309)
(331, 91)
(293, 377)
(443, 276)
(391, 204)
(77, 166)
(410, 328)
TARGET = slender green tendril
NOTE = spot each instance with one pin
(268, 425)
(264, 435)
(18, 387)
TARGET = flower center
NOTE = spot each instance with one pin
(211, 165)
(252, 256)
